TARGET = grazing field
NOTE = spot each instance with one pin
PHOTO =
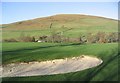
(25, 52)
(79, 25)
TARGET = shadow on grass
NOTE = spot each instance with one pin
(41, 47)
(97, 70)
(20, 55)
(88, 76)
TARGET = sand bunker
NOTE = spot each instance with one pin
(57, 66)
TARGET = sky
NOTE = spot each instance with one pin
(60, 0)
(19, 11)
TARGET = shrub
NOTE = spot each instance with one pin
(27, 39)
(10, 40)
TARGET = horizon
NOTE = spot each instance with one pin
(16, 11)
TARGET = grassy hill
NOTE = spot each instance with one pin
(79, 24)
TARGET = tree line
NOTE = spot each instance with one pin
(99, 37)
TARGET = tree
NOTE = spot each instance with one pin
(52, 33)
(33, 39)
(43, 38)
(101, 37)
(113, 37)
(90, 38)
(80, 39)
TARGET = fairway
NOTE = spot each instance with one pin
(60, 41)
(27, 52)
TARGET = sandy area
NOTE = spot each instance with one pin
(50, 67)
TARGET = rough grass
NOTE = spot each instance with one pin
(108, 71)
(81, 24)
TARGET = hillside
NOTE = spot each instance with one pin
(62, 19)
(78, 23)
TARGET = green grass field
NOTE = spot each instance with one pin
(81, 25)
(108, 71)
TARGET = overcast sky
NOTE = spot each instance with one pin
(18, 11)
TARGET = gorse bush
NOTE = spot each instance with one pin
(10, 40)
(100, 37)
(27, 39)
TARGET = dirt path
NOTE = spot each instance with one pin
(50, 67)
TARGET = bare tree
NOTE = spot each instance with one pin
(90, 38)
(101, 37)
(113, 37)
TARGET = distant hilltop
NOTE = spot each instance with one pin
(68, 20)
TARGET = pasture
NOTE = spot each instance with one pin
(79, 25)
